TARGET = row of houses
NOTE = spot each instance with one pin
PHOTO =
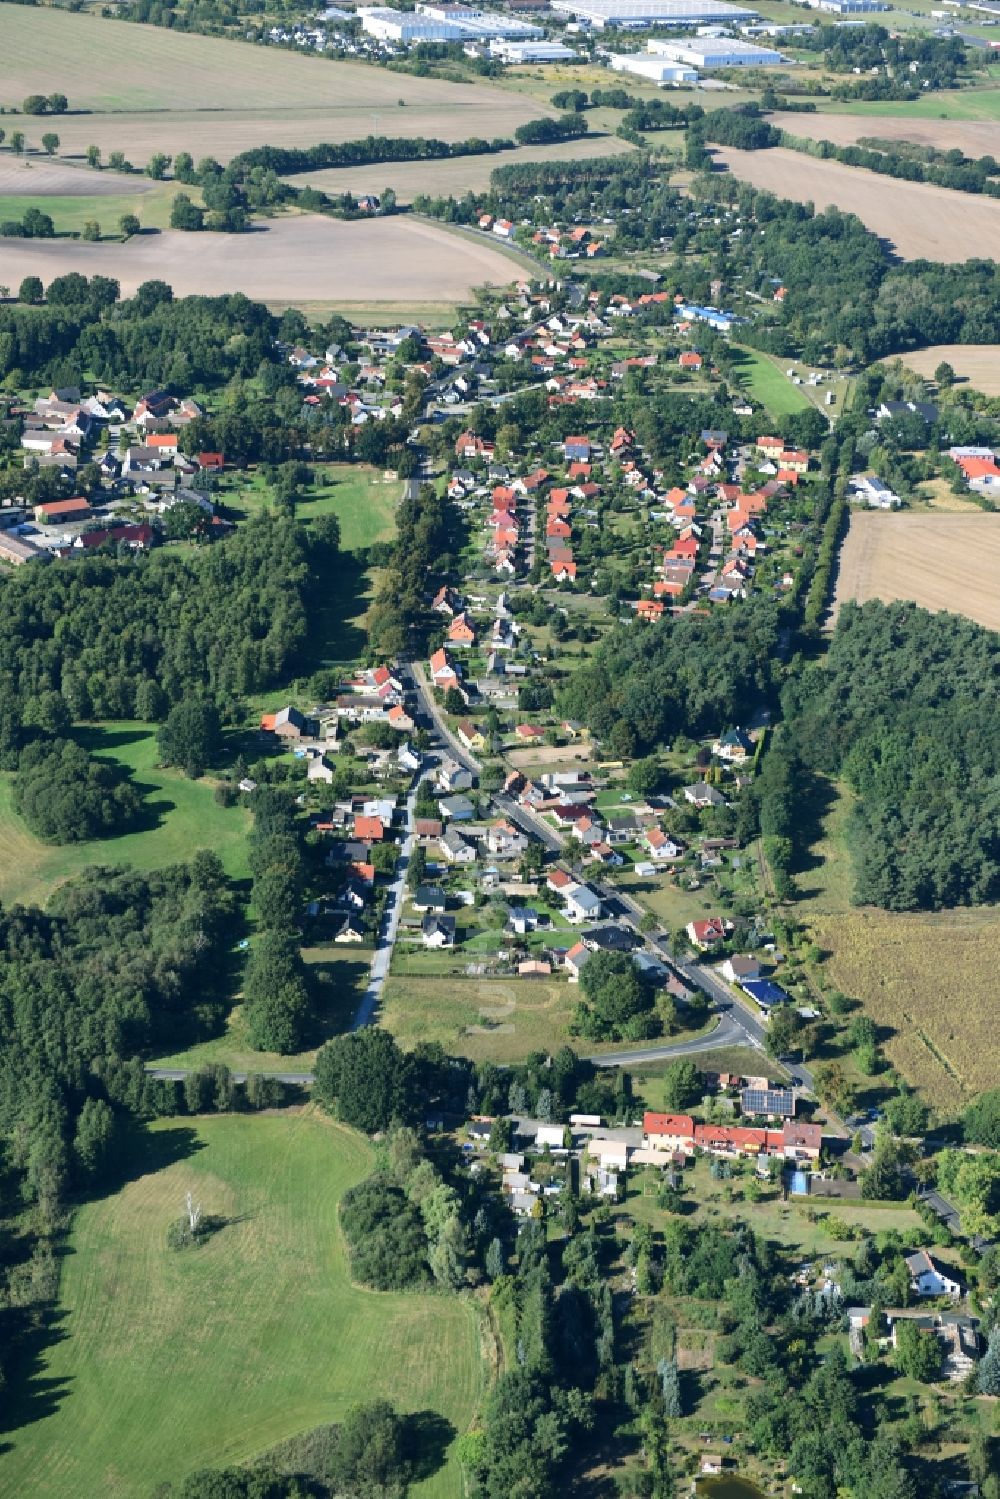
(680, 1135)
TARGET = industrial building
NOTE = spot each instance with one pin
(640, 14)
(717, 52)
(655, 69)
(848, 7)
(443, 23)
(521, 52)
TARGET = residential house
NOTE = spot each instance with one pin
(287, 723)
(438, 931)
(430, 898)
(471, 735)
(455, 849)
(461, 631)
(760, 1099)
(456, 808)
(705, 934)
(505, 841)
(734, 746)
(581, 904)
(369, 829)
(350, 930)
(701, 794)
(576, 960)
(661, 846)
(428, 827)
(668, 1132)
(740, 967)
(801, 1142)
(931, 1277)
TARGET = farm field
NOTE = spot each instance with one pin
(948, 104)
(255, 1337)
(974, 137)
(47, 177)
(768, 384)
(457, 175)
(301, 256)
(184, 816)
(939, 561)
(917, 219)
(216, 97)
(977, 365)
(69, 213)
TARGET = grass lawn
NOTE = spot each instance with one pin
(957, 104)
(165, 1362)
(497, 1020)
(362, 499)
(768, 384)
(342, 973)
(183, 816)
(669, 902)
(70, 213)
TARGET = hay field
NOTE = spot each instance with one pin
(943, 561)
(168, 91)
(916, 219)
(300, 257)
(977, 365)
(495, 1020)
(929, 979)
(974, 137)
(165, 1362)
(458, 175)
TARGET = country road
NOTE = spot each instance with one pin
(433, 712)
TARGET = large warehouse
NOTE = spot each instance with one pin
(442, 23)
(638, 14)
(717, 52)
(653, 69)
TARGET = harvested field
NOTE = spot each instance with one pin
(928, 979)
(40, 177)
(304, 257)
(916, 219)
(977, 365)
(939, 561)
(974, 137)
(458, 175)
(212, 96)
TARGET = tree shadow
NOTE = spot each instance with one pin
(337, 988)
(144, 1152)
(815, 795)
(31, 1394)
(428, 1437)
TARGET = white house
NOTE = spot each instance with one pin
(929, 1277)
(582, 904)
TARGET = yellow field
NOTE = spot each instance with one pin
(916, 219)
(300, 257)
(929, 979)
(939, 561)
(977, 365)
(149, 89)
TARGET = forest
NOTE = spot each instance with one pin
(643, 688)
(904, 707)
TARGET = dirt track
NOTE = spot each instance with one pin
(916, 219)
(300, 258)
(948, 562)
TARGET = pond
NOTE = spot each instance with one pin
(728, 1486)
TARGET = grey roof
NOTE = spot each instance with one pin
(430, 895)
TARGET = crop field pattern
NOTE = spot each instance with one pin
(175, 92)
(916, 219)
(977, 365)
(943, 561)
(166, 1362)
(303, 257)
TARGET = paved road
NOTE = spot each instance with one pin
(178, 1074)
(425, 693)
(391, 914)
(726, 1033)
(530, 823)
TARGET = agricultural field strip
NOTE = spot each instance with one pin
(918, 219)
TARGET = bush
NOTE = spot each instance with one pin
(65, 796)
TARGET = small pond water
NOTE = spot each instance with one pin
(727, 1487)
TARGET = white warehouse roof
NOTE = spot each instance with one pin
(636, 13)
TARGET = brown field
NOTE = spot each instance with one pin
(916, 219)
(977, 365)
(458, 175)
(974, 137)
(38, 177)
(168, 91)
(304, 256)
(939, 561)
(929, 980)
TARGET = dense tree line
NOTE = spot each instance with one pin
(275, 990)
(426, 538)
(546, 131)
(904, 707)
(372, 149)
(742, 127)
(952, 170)
(150, 339)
